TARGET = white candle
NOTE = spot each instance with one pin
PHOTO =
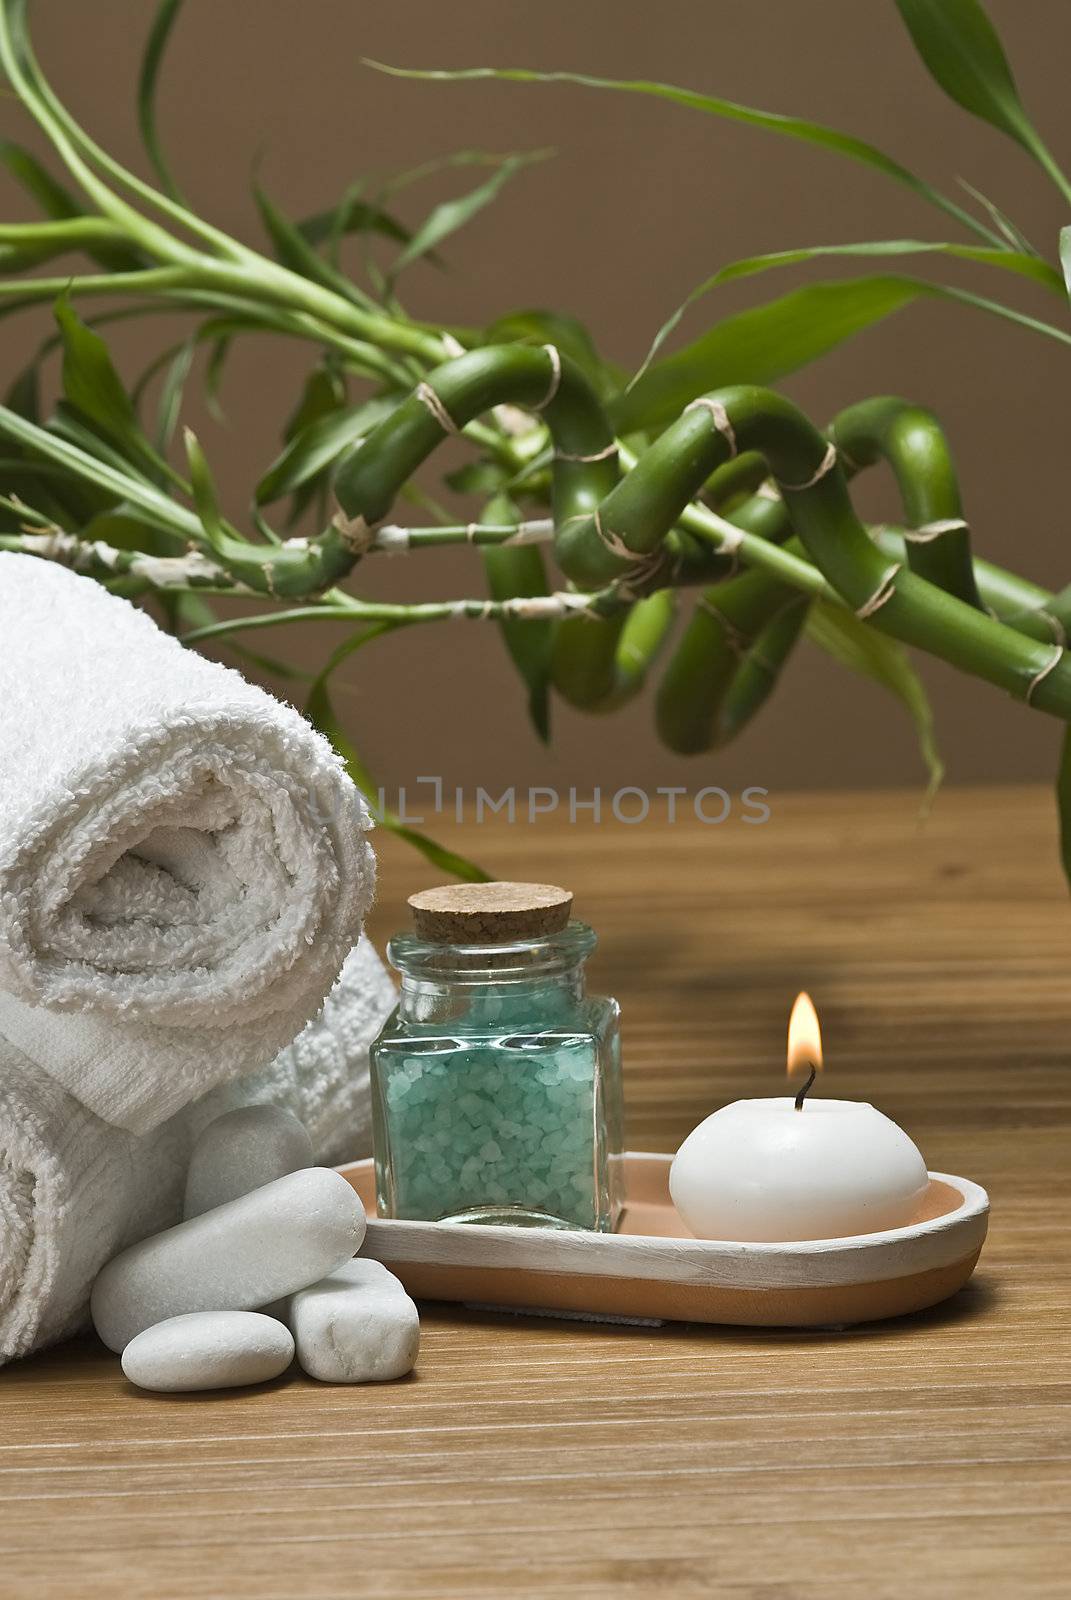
(784, 1168)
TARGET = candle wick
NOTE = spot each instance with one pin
(803, 1092)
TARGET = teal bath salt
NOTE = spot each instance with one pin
(496, 1082)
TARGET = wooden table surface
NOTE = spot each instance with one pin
(528, 1457)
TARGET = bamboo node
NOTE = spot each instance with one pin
(849, 461)
(452, 346)
(555, 377)
(427, 397)
(720, 418)
(885, 590)
(738, 642)
(391, 541)
(1039, 677)
(827, 463)
(356, 534)
(927, 532)
(1059, 632)
(614, 542)
(596, 455)
(535, 532)
(632, 584)
(767, 490)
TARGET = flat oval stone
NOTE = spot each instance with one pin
(357, 1325)
(237, 1257)
(243, 1150)
(208, 1350)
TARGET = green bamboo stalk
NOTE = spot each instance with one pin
(618, 535)
(341, 608)
(601, 664)
(912, 441)
(94, 558)
(637, 514)
(727, 661)
(535, 378)
(1019, 602)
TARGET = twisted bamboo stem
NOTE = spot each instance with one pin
(621, 536)
(612, 530)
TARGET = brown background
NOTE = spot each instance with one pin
(642, 200)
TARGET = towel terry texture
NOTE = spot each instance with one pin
(183, 860)
(74, 1189)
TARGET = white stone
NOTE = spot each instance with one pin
(243, 1150)
(235, 1258)
(209, 1350)
(356, 1326)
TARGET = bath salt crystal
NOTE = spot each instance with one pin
(208, 1350)
(243, 1150)
(357, 1325)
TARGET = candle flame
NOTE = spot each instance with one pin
(804, 1037)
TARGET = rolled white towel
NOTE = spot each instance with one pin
(75, 1190)
(183, 860)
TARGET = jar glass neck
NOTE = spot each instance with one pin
(424, 998)
(544, 972)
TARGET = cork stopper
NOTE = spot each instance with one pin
(490, 913)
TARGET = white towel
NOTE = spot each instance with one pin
(74, 1190)
(183, 860)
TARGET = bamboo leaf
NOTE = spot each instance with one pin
(90, 381)
(321, 713)
(295, 252)
(171, 392)
(24, 395)
(963, 53)
(68, 422)
(324, 393)
(521, 571)
(353, 215)
(815, 133)
(319, 444)
(54, 199)
(766, 343)
(166, 16)
(204, 491)
(1001, 221)
(84, 467)
(217, 360)
(61, 205)
(95, 391)
(1025, 264)
(445, 219)
(874, 655)
(1065, 256)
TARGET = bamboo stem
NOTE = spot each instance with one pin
(639, 512)
(911, 440)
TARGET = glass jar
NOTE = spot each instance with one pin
(496, 1092)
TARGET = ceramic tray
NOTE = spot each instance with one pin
(653, 1268)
